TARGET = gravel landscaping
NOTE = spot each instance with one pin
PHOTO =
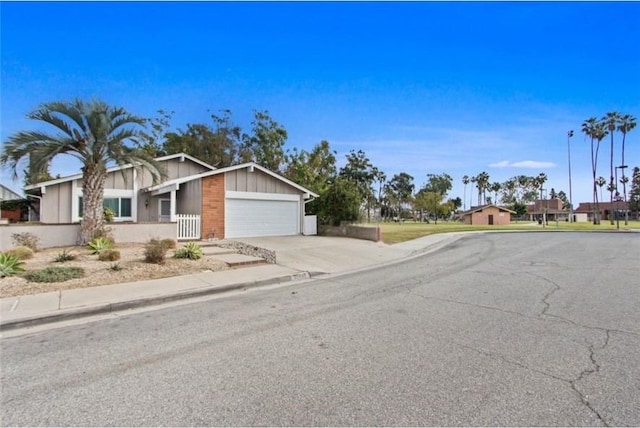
(131, 267)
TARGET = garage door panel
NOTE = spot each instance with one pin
(251, 217)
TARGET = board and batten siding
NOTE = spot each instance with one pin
(189, 197)
(244, 180)
(55, 206)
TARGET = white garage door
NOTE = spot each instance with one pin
(259, 217)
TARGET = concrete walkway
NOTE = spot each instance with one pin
(298, 257)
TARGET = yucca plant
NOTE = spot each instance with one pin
(10, 265)
(100, 244)
(64, 256)
(191, 251)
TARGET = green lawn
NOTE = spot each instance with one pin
(399, 232)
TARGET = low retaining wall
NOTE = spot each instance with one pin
(350, 231)
(249, 250)
(66, 235)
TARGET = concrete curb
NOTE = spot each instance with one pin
(104, 308)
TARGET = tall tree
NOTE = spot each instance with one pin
(402, 187)
(600, 182)
(626, 124)
(465, 181)
(439, 183)
(93, 132)
(314, 170)
(152, 141)
(360, 171)
(596, 132)
(265, 145)
(482, 183)
(610, 121)
(539, 182)
(213, 146)
(634, 192)
(495, 188)
(428, 202)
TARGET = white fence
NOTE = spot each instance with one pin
(188, 226)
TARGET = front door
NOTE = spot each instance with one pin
(490, 219)
(164, 210)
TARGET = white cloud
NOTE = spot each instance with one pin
(523, 164)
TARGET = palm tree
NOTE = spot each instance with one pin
(600, 182)
(495, 188)
(596, 132)
(92, 132)
(482, 183)
(540, 180)
(626, 124)
(611, 120)
(465, 181)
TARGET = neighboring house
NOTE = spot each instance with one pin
(607, 209)
(549, 208)
(238, 201)
(487, 215)
(12, 214)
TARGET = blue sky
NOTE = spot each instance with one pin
(456, 87)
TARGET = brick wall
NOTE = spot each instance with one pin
(213, 206)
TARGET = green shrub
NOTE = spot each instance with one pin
(191, 251)
(65, 256)
(169, 243)
(10, 265)
(100, 244)
(54, 274)
(109, 255)
(155, 251)
(26, 239)
(108, 215)
(23, 253)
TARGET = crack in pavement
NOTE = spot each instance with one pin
(572, 383)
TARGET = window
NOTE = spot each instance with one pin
(121, 207)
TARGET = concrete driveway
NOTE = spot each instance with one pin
(323, 254)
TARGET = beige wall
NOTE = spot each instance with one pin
(482, 217)
(66, 235)
(190, 197)
(243, 180)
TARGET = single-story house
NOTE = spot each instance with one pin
(607, 209)
(238, 201)
(487, 215)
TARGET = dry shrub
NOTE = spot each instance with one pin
(22, 253)
(155, 252)
(109, 255)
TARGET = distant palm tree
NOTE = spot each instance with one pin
(595, 130)
(495, 188)
(626, 124)
(482, 183)
(601, 181)
(540, 180)
(465, 181)
(92, 132)
(610, 120)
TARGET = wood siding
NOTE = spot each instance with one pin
(243, 180)
(56, 204)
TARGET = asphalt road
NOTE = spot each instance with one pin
(522, 329)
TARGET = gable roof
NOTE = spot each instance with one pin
(117, 168)
(482, 207)
(249, 165)
(7, 194)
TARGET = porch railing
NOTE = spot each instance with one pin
(188, 226)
